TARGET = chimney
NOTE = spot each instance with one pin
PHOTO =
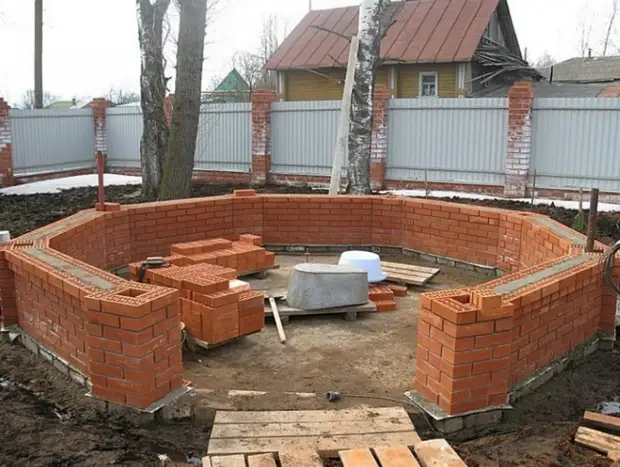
(589, 53)
(74, 101)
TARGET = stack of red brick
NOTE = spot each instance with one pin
(384, 296)
(215, 306)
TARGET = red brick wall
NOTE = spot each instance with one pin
(472, 346)
(261, 135)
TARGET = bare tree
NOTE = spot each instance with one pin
(370, 34)
(179, 161)
(585, 36)
(269, 43)
(544, 61)
(29, 100)
(151, 15)
(610, 26)
(118, 96)
(250, 67)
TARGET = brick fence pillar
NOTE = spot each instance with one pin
(520, 97)
(99, 106)
(168, 109)
(261, 136)
(6, 154)
(379, 145)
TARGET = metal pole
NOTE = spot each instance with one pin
(38, 54)
(534, 188)
(310, 5)
(426, 192)
(592, 220)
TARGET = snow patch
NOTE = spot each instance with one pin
(567, 204)
(59, 184)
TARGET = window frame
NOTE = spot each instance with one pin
(423, 74)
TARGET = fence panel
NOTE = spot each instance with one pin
(224, 138)
(575, 143)
(124, 129)
(304, 136)
(52, 140)
(461, 141)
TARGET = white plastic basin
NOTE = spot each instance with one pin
(369, 262)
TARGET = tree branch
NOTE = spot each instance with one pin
(321, 28)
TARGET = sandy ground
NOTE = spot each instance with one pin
(374, 355)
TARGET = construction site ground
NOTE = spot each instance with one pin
(374, 355)
(47, 420)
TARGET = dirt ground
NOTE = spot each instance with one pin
(374, 355)
(47, 420)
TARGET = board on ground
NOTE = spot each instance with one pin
(408, 274)
(286, 312)
(433, 453)
(326, 432)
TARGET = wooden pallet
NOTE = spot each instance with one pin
(325, 431)
(192, 344)
(350, 313)
(408, 274)
(260, 272)
(436, 453)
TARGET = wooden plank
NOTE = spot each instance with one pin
(228, 461)
(300, 457)
(327, 446)
(262, 460)
(410, 267)
(599, 441)
(405, 272)
(285, 310)
(396, 456)
(272, 430)
(276, 317)
(206, 462)
(308, 416)
(602, 422)
(406, 280)
(614, 455)
(251, 272)
(357, 458)
(437, 453)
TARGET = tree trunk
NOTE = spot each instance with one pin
(153, 93)
(360, 127)
(179, 162)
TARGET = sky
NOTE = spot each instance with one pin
(91, 46)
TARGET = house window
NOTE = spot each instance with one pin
(428, 84)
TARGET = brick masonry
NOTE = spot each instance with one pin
(261, 135)
(473, 346)
(520, 98)
(379, 144)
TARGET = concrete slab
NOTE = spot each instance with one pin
(574, 237)
(530, 279)
(315, 286)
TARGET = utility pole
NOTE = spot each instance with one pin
(38, 54)
(310, 5)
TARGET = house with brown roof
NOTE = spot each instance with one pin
(434, 48)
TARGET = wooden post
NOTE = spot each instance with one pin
(345, 115)
(592, 220)
(100, 169)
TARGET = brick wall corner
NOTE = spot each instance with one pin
(261, 136)
(6, 151)
(519, 148)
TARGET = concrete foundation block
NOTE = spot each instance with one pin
(319, 286)
(47, 355)
(78, 377)
(178, 410)
(30, 343)
(449, 425)
(61, 366)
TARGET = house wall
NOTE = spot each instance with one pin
(329, 85)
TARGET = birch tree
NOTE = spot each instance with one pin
(179, 160)
(151, 15)
(360, 127)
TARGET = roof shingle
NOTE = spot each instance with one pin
(425, 31)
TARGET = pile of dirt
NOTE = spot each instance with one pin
(47, 420)
(543, 424)
(22, 213)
